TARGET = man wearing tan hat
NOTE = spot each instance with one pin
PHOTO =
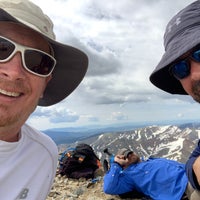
(34, 70)
(156, 178)
(178, 71)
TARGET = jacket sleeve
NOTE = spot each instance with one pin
(115, 181)
(189, 167)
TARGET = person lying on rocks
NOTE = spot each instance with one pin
(156, 178)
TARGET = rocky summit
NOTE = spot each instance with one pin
(173, 142)
(73, 189)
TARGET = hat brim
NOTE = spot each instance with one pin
(181, 44)
(124, 151)
(126, 154)
(69, 71)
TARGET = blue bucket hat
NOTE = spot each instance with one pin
(181, 35)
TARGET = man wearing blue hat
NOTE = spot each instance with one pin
(178, 72)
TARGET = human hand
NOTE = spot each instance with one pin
(196, 169)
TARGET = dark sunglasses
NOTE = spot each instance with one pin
(181, 69)
(34, 61)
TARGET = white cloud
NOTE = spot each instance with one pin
(56, 114)
(124, 43)
(118, 116)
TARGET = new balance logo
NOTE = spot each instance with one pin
(23, 194)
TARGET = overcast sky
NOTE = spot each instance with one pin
(124, 42)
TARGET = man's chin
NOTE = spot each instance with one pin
(196, 91)
(197, 99)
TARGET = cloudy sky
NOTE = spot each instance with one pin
(124, 43)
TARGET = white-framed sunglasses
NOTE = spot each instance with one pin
(34, 61)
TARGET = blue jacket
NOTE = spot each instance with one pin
(158, 178)
(189, 164)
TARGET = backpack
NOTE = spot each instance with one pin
(78, 162)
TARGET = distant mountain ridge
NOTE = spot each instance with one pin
(69, 135)
(73, 134)
(174, 142)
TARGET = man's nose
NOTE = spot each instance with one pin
(13, 68)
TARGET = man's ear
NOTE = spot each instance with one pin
(46, 82)
(48, 79)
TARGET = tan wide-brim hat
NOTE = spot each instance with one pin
(71, 63)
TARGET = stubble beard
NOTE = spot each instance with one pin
(7, 119)
(196, 90)
(7, 116)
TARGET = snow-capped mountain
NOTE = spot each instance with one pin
(174, 142)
